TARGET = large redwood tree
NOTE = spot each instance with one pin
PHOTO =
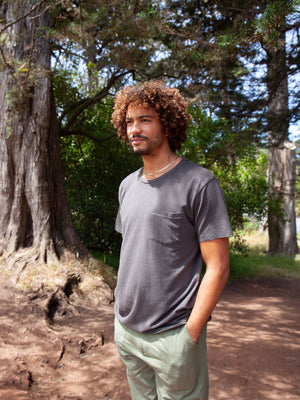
(35, 222)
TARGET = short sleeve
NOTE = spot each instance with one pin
(210, 210)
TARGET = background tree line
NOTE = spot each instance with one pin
(62, 61)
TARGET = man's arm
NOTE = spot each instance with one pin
(215, 254)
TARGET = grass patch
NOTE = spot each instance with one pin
(258, 264)
(109, 259)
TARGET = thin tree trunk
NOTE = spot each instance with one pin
(282, 174)
(35, 222)
(282, 157)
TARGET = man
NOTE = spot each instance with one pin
(172, 217)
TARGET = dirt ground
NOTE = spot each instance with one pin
(253, 346)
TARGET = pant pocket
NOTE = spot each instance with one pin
(184, 374)
(119, 334)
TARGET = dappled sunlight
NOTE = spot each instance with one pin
(260, 359)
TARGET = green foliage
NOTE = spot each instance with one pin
(214, 138)
(246, 188)
(272, 22)
(93, 174)
(239, 166)
(239, 246)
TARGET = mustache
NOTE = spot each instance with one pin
(137, 136)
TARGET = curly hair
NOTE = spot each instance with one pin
(166, 102)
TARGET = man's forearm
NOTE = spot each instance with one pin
(210, 290)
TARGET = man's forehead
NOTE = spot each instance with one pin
(139, 108)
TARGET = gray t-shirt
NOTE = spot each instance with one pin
(162, 222)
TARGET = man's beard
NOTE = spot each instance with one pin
(151, 145)
(141, 152)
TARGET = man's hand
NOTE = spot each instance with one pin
(215, 254)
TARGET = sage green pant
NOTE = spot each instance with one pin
(164, 366)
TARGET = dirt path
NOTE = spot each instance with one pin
(253, 340)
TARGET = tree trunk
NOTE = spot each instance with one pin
(282, 170)
(35, 223)
(282, 157)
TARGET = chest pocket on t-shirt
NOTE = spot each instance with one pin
(166, 227)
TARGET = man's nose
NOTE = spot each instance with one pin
(135, 127)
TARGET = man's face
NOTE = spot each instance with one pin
(144, 130)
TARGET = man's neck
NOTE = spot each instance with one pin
(156, 165)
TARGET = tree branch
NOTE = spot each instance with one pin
(81, 105)
(78, 132)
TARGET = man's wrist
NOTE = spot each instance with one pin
(194, 331)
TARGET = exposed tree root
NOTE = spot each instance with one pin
(55, 290)
(58, 301)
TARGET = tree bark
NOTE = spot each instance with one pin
(282, 156)
(35, 222)
(282, 172)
